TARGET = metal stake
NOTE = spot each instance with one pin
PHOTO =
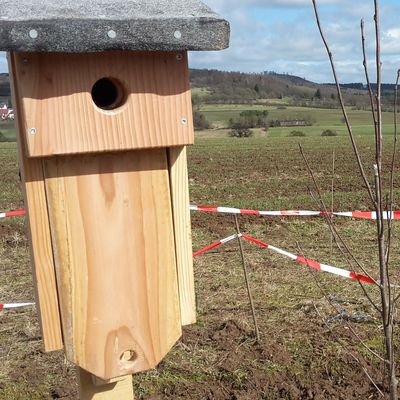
(332, 194)
(257, 332)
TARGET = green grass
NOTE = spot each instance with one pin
(10, 194)
(8, 130)
(361, 121)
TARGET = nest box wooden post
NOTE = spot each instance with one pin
(104, 114)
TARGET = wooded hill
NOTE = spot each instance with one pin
(212, 86)
(239, 87)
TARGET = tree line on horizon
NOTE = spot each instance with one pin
(250, 88)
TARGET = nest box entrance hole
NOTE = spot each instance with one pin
(108, 93)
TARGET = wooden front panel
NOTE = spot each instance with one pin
(59, 114)
(112, 231)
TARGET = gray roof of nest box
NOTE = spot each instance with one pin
(97, 25)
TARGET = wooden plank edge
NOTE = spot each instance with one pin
(38, 228)
(178, 175)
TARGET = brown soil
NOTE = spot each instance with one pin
(239, 354)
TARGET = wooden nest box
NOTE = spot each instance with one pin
(104, 114)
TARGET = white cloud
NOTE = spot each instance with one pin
(282, 35)
(393, 33)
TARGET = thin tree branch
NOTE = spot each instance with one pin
(337, 236)
(392, 169)
(385, 288)
(386, 296)
(371, 95)
(328, 219)
(341, 101)
(323, 291)
(332, 195)
(376, 196)
(378, 88)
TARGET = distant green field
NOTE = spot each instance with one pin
(8, 130)
(201, 92)
(219, 116)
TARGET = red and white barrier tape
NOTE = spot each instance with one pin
(368, 214)
(215, 244)
(314, 264)
(304, 213)
(310, 263)
(15, 305)
(12, 213)
(293, 213)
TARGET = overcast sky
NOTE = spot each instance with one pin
(281, 36)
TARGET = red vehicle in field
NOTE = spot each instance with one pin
(6, 113)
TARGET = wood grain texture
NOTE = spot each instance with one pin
(114, 250)
(120, 390)
(183, 238)
(38, 230)
(56, 98)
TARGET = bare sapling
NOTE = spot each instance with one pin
(381, 198)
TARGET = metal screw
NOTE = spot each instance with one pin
(179, 57)
(178, 34)
(25, 61)
(112, 34)
(32, 131)
(184, 121)
(33, 34)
